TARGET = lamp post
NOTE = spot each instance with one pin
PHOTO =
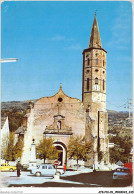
(8, 60)
(32, 162)
(33, 140)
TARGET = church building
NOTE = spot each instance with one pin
(61, 116)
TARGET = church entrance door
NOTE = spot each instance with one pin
(60, 154)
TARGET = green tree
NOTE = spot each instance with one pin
(4, 146)
(114, 155)
(15, 118)
(9, 156)
(100, 155)
(121, 143)
(46, 150)
(18, 148)
(78, 149)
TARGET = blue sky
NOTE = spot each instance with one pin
(48, 39)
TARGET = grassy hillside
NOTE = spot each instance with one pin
(18, 105)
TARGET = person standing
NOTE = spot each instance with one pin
(65, 167)
(18, 168)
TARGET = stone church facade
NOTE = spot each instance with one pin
(61, 116)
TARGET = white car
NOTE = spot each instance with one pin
(47, 170)
(122, 174)
(32, 167)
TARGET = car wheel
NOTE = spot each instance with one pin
(11, 170)
(58, 173)
(38, 174)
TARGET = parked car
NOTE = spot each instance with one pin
(46, 169)
(7, 167)
(122, 174)
(25, 167)
(77, 165)
(32, 167)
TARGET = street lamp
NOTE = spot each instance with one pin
(33, 140)
(8, 60)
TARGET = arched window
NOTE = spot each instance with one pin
(87, 83)
(59, 124)
(103, 63)
(103, 84)
(97, 61)
(88, 61)
(96, 81)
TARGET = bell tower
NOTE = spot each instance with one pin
(94, 94)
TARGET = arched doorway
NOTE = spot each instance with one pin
(62, 152)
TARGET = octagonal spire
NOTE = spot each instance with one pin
(95, 40)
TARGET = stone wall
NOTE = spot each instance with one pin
(41, 120)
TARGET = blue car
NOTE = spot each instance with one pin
(122, 174)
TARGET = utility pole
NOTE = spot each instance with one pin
(129, 106)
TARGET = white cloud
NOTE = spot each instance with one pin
(58, 37)
(125, 59)
(74, 47)
(121, 29)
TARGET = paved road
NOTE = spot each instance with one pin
(70, 179)
(97, 179)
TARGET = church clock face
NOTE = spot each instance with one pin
(96, 87)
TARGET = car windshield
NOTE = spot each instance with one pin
(122, 170)
(45, 166)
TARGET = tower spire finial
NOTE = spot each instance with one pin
(60, 85)
(95, 12)
(95, 40)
